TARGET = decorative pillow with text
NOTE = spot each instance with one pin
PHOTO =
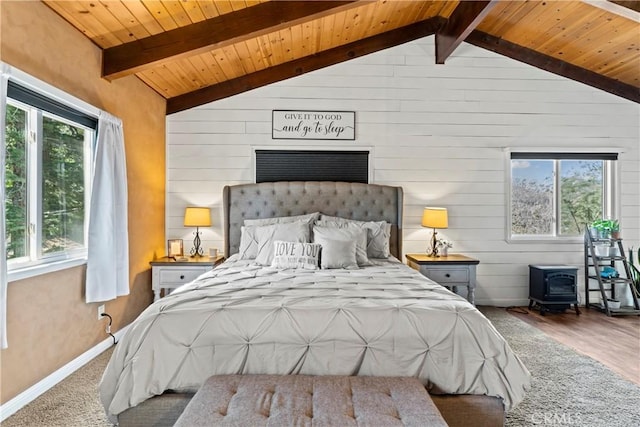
(289, 232)
(295, 255)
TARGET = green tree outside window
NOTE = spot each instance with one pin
(543, 204)
(16, 182)
(62, 164)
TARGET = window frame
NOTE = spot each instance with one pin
(611, 187)
(45, 263)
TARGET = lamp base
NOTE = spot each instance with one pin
(197, 250)
(433, 250)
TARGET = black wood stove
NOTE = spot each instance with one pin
(553, 287)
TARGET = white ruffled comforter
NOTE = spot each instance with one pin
(384, 320)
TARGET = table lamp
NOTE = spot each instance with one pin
(197, 217)
(435, 218)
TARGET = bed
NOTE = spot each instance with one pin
(382, 319)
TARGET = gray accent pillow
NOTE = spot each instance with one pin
(345, 231)
(337, 253)
(378, 234)
(295, 255)
(287, 232)
(309, 218)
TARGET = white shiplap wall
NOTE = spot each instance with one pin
(437, 130)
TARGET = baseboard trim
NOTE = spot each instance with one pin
(502, 302)
(29, 395)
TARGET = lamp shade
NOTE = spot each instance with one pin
(197, 217)
(435, 218)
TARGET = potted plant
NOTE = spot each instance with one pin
(605, 228)
(597, 229)
(614, 226)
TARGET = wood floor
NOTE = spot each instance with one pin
(613, 341)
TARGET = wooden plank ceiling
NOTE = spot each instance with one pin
(197, 51)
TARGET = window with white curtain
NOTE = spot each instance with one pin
(49, 148)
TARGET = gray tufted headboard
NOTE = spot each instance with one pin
(364, 202)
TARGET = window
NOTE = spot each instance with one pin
(553, 195)
(47, 179)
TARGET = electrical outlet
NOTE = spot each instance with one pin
(100, 311)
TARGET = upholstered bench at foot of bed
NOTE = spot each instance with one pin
(285, 400)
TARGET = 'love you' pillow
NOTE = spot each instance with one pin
(295, 255)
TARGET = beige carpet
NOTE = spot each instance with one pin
(567, 388)
(73, 402)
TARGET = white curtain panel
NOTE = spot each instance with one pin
(108, 251)
(4, 79)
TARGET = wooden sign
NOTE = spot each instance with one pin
(295, 124)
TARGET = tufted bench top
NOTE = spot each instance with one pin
(303, 400)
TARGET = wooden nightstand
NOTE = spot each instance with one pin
(168, 274)
(451, 271)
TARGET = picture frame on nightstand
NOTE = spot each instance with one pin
(175, 248)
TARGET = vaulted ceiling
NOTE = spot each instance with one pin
(197, 51)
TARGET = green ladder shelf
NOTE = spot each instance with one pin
(595, 262)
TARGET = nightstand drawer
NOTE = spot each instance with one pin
(180, 275)
(448, 275)
(451, 271)
(167, 274)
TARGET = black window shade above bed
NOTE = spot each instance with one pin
(312, 165)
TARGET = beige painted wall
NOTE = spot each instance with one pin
(48, 322)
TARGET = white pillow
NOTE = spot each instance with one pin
(338, 253)
(248, 242)
(287, 232)
(378, 234)
(295, 255)
(309, 218)
(344, 231)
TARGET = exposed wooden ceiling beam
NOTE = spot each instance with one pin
(464, 19)
(553, 65)
(304, 65)
(629, 4)
(215, 33)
